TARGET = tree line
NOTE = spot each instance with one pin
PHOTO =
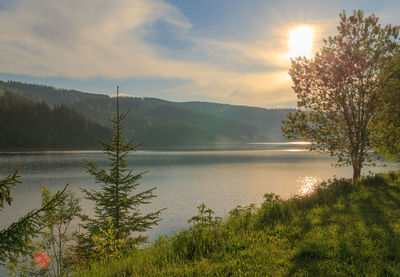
(28, 124)
(158, 122)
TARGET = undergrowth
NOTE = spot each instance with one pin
(341, 229)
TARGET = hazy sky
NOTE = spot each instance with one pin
(230, 51)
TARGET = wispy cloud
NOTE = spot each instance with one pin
(81, 39)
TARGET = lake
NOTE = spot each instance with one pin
(221, 177)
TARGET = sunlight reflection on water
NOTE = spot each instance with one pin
(295, 150)
(283, 143)
(307, 184)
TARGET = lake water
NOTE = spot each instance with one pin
(220, 177)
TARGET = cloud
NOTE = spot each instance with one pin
(81, 39)
(100, 38)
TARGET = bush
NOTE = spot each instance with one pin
(201, 239)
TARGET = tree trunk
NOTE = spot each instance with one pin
(356, 173)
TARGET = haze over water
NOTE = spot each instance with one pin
(220, 177)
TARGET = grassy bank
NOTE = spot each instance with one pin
(340, 230)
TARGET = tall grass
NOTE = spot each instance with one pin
(340, 229)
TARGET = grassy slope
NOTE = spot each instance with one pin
(340, 230)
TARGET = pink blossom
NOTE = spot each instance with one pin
(42, 259)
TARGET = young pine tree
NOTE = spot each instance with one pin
(16, 239)
(117, 199)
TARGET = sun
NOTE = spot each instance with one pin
(300, 42)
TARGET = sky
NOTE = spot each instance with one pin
(226, 51)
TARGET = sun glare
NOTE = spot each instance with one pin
(308, 184)
(300, 42)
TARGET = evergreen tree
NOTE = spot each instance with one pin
(15, 240)
(28, 124)
(116, 200)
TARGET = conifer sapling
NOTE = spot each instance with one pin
(117, 199)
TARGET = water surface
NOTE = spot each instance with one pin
(220, 177)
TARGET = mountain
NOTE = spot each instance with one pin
(268, 121)
(160, 122)
(28, 124)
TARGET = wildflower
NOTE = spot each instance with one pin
(42, 259)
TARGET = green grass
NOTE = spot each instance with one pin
(340, 230)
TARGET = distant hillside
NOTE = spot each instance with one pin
(268, 121)
(159, 122)
(28, 124)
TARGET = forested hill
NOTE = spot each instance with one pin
(159, 122)
(25, 124)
